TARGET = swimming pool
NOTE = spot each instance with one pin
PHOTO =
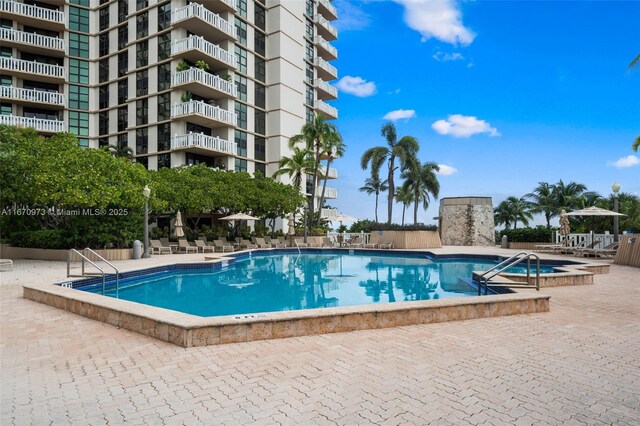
(261, 282)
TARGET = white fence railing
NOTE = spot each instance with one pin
(210, 111)
(326, 87)
(31, 67)
(326, 108)
(32, 95)
(582, 239)
(327, 67)
(11, 6)
(199, 43)
(200, 140)
(197, 10)
(326, 25)
(39, 124)
(32, 39)
(324, 44)
(201, 76)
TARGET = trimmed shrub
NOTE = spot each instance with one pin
(539, 234)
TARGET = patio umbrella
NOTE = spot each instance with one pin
(292, 229)
(239, 216)
(593, 211)
(343, 218)
(178, 231)
(564, 226)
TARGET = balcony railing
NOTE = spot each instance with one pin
(195, 10)
(32, 39)
(198, 140)
(196, 75)
(31, 67)
(326, 25)
(327, 67)
(327, 109)
(329, 193)
(39, 124)
(331, 9)
(326, 87)
(199, 43)
(31, 95)
(16, 8)
(332, 174)
(200, 108)
(324, 44)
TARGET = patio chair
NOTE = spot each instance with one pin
(247, 244)
(158, 248)
(608, 251)
(299, 242)
(355, 242)
(223, 246)
(202, 246)
(385, 245)
(370, 245)
(6, 264)
(184, 246)
(284, 241)
(577, 251)
(328, 242)
(262, 243)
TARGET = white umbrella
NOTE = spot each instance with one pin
(178, 231)
(343, 218)
(292, 229)
(593, 211)
(239, 216)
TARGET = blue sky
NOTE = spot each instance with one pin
(503, 94)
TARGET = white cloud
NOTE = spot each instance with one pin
(400, 114)
(624, 162)
(446, 170)
(356, 86)
(440, 19)
(463, 126)
(446, 57)
(352, 18)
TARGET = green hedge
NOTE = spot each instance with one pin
(369, 226)
(539, 234)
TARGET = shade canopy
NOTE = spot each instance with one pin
(593, 211)
(343, 218)
(239, 216)
(178, 231)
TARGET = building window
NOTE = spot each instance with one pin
(308, 29)
(259, 149)
(79, 123)
(309, 52)
(6, 80)
(141, 4)
(142, 54)
(309, 9)
(164, 46)
(79, 19)
(260, 17)
(259, 44)
(104, 18)
(83, 142)
(123, 63)
(164, 137)
(123, 91)
(164, 160)
(241, 85)
(242, 8)
(103, 123)
(309, 73)
(123, 141)
(241, 56)
(261, 70)
(78, 71)
(241, 165)
(142, 83)
(164, 76)
(241, 111)
(103, 96)
(142, 112)
(142, 25)
(5, 109)
(241, 29)
(123, 36)
(164, 16)
(79, 45)
(142, 141)
(103, 70)
(78, 97)
(309, 95)
(6, 52)
(103, 142)
(80, 2)
(259, 122)
(260, 95)
(260, 168)
(123, 10)
(164, 106)
(241, 141)
(103, 44)
(309, 115)
(123, 118)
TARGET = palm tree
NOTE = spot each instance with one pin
(120, 151)
(295, 166)
(542, 200)
(567, 196)
(512, 210)
(374, 185)
(422, 180)
(636, 144)
(333, 148)
(403, 149)
(404, 195)
(634, 63)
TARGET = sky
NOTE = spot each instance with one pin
(501, 94)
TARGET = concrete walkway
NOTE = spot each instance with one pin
(578, 364)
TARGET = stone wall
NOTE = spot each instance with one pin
(467, 221)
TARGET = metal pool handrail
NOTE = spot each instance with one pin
(506, 264)
(108, 263)
(83, 257)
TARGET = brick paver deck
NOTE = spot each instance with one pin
(578, 364)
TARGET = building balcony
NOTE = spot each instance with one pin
(329, 112)
(39, 124)
(325, 29)
(31, 96)
(196, 48)
(203, 84)
(30, 69)
(34, 16)
(327, 10)
(197, 19)
(325, 91)
(326, 71)
(204, 114)
(331, 174)
(218, 6)
(325, 50)
(32, 42)
(329, 193)
(326, 155)
(203, 144)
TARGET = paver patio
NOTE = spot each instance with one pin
(578, 364)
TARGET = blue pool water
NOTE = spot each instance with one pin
(292, 281)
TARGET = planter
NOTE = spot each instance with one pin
(407, 239)
(8, 252)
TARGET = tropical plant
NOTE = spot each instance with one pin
(404, 150)
(374, 185)
(543, 201)
(634, 63)
(301, 162)
(186, 96)
(182, 66)
(404, 195)
(202, 65)
(421, 179)
(567, 196)
(512, 210)
(333, 148)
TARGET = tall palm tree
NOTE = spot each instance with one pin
(333, 148)
(512, 210)
(299, 163)
(404, 195)
(404, 149)
(374, 185)
(422, 180)
(634, 63)
(567, 196)
(542, 200)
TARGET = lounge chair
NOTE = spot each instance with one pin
(284, 241)
(369, 245)
(583, 247)
(202, 246)
(300, 243)
(607, 251)
(262, 243)
(223, 246)
(355, 242)
(385, 245)
(328, 242)
(158, 248)
(6, 264)
(247, 244)
(184, 246)
(274, 242)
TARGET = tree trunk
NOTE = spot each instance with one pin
(377, 193)
(313, 187)
(324, 187)
(548, 217)
(392, 190)
(404, 207)
(415, 208)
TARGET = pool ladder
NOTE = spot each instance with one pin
(83, 259)
(506, 264)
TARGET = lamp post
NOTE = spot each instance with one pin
(615, 188)
(146, 192)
